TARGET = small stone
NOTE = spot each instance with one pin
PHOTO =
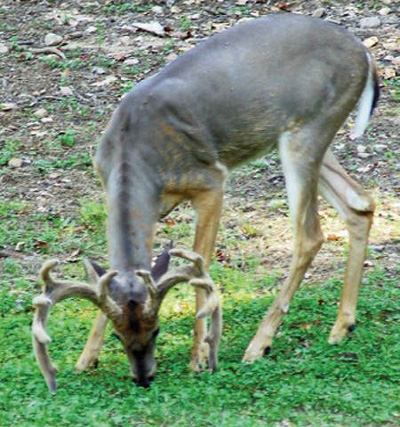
(52, 39)
(3, 48)
(380, 148)
(384, 11)
(15, 163)
(276, 203)
(131, 61)
(90, 30)
(371, 22)
(99, 70)
(125, 40)
(41, 112)
(361, 148)
(8, 106)
(66, 91)
(74, 35)
(171, 57)
(158, 10)
(319, 13)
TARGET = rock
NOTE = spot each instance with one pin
(15, 163)
(90, 30)
(52, 39)
(99, 70)
(171, 57)
(41, 112)
(319, 13)
(370, 41)
(125, 40)
(361, 148)
(66, 90)
(158, 10)
(8, 106)
(384, 11)
(371, 22)
(276, 203)
(380, 148)
(3, 48)
(131, 61)
(74, 35)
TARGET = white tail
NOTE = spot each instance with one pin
(366, 103)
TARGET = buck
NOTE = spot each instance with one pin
(284, 81)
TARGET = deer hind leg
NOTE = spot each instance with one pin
(91, 352)
(301, 162)
(356, 208)
(208, 206)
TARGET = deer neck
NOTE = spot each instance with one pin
(132, 214)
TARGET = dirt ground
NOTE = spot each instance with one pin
(58, 93)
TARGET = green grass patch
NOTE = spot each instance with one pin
(304, 381)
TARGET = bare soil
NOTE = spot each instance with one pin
(79, 82)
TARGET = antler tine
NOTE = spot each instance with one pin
(107, 304)
(53, 292)
(195, 258)
(153, 302)
(211, 307)
(197, 276)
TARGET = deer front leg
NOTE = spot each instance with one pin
(91, 352)
(208, 206)
(356, 208)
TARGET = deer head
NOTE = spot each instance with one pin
(131, 302)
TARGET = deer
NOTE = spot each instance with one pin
(286, 82)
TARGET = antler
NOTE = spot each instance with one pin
(55, 291)
(196, 276)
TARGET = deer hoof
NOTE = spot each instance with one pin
(339, 331)
(200, 359)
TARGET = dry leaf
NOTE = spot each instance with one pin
(370, 41)
(152, 27)
(333, 238)
(107, 81)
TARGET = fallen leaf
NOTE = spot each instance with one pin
(170, 222)
(107, 81)
(370, 41)
(119, 56)
(333, 238)
(152, 27)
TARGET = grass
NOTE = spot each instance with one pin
(305, 381)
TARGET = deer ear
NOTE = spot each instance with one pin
(93, 271)
(162, 262)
